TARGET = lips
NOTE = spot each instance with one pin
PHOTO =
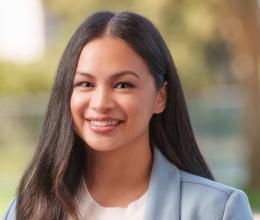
(103, 124)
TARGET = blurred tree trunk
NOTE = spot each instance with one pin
(241, 30)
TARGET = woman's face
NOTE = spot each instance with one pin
(114, 96)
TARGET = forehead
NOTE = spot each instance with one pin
(109, 55)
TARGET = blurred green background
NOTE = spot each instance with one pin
(215, 45)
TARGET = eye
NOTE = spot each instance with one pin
(124, 85)
(84, 84)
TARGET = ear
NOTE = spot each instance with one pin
(161, 99)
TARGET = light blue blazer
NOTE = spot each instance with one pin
(177, 195)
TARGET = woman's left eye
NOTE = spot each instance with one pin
(124, 85)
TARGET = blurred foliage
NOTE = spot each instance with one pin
(24, 78)
(254, 198)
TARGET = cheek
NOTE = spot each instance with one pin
(76, 106)
(139, 107)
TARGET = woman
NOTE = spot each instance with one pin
(117, 142)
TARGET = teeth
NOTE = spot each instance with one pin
(104, 123)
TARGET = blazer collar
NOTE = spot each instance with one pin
(163, 199)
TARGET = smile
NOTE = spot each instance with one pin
(104, 123)
(104, 126)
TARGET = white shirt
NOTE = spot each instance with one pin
(90, 210)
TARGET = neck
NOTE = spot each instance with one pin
(119, 171)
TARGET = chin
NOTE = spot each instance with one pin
(102, 147)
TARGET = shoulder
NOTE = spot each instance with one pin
(10, 213)
(189, 196)
(213, 197)
(201, 183)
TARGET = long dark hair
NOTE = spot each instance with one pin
(50, 183)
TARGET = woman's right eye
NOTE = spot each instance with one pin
(84, 84)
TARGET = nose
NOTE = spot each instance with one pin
(101, 100)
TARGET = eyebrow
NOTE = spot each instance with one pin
(114, 76)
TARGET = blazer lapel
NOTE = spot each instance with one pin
(163, 199)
